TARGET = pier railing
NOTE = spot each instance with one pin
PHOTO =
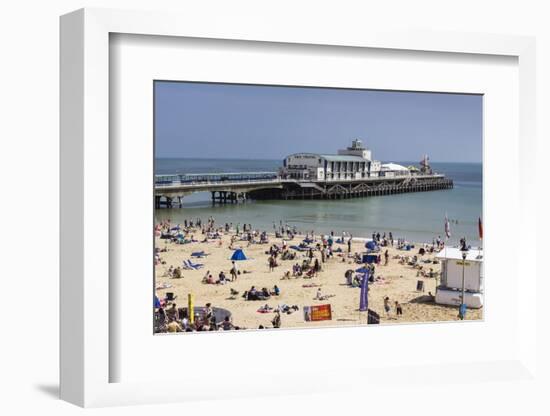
(233, 191)
(208, 183)
(281, 180)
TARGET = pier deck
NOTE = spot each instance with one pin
(235, 187)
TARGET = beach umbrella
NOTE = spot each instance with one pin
(362, 270)
(371, 245)
(238, 254)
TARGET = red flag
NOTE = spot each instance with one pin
(480, 228)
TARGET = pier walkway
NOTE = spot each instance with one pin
(240, 186)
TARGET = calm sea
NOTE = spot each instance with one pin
(414, 216)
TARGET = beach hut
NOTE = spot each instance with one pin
(449, 291)
(238, 254)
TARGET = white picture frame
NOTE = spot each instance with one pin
(87, 356)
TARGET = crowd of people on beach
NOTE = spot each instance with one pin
(307, 258)
(170, 318)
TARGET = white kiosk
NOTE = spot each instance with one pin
(449, 292)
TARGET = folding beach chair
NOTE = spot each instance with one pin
(187, 266)
(195, 266)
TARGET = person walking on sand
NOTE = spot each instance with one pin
(277, 320)
(398, 309)
(234, 272)
(349, 245)
(208, 312)
(386, 257)
(387, 307)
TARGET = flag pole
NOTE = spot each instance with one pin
(480, 232)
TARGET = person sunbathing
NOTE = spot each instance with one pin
(174, 326)
(320, 295)
(253, 294)
(176, 273)
(227, 324)
(310, 273)
(222, 279)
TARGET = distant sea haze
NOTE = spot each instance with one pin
(415, 216)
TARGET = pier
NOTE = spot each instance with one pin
(232, 188)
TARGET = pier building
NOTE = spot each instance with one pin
(352, 172)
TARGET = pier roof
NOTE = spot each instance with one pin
(393, 166)
(343, 158)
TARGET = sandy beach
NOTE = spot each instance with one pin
(396, 281)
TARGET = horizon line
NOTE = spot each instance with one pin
(272, 159)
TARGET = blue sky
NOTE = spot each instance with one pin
(199, 120)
